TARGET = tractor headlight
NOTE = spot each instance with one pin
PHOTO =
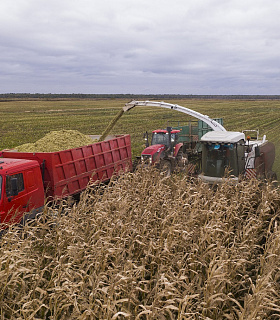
(146, 158)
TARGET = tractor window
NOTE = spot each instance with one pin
(216, 158)
(160, 138)
(174, 137)
(20, 183)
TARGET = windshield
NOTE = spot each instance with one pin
(216, 158)
(162, 138)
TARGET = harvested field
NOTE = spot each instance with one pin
(27, 121)
(148, 247)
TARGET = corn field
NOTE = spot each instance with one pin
(148, 247)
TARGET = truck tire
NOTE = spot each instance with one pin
(165, 168)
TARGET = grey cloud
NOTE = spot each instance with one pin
(213, 46)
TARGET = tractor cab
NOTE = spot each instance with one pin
(166, 137)
(163, 144)
(223, 152)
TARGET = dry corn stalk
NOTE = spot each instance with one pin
(147, 247)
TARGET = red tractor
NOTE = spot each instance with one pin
(165, 151)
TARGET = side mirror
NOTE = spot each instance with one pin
(169, 129)
(257, 152)
(146, 137)
(14, 185)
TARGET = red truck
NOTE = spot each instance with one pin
(28, 179)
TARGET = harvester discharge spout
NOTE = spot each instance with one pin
(214, 125)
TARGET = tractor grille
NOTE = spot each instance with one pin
(146, 158)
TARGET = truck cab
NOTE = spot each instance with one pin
(21, 189)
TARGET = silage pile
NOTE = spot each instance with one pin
(57, 141)
(147, 247)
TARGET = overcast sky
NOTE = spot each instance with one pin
(140, 46)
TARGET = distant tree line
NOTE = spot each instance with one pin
(51, 96)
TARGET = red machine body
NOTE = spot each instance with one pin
(27, 178)
(164, 143)
(165, 149)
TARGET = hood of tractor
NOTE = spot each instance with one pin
(151, 150)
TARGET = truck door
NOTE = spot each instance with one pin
(15, 198)
(33, 185)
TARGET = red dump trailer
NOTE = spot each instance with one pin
(27, 179)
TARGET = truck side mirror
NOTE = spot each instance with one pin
(14, 185)
(257, 151)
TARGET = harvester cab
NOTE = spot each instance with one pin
(230, 153)
(222, 152)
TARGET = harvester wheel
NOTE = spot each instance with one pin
(271, 176)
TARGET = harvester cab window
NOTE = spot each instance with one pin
(9, 186)
(219, 157)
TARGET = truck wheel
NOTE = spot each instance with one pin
(165, 168)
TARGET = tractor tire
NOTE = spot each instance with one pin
(165, 168)
(136, 164)
(181, 161)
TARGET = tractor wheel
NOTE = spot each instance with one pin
(181, 160)
(136, 164)
(165, 168)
